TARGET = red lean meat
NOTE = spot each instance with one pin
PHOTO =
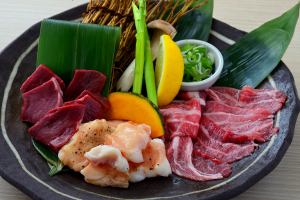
(210, 167)
(57, 127)
(270, 100)
(246, 132)
(211, 148)
(93, 108)
(182, 118)
(90, 80)
(232, 120)
(216, 106)
(41, 75)
(102, 100)
(244, 115)
(262, 94)
(179, 154)
(38, 101)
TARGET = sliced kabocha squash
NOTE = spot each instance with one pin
(136, 108)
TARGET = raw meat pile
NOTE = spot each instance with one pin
(55, 122)
(209, 130)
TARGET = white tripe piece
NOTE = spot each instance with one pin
(160, 168)
(137, 175)
(131, 139)
(105, 154)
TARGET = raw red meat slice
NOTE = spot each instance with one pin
(220, 152)
(102, 100)
(90, 80)
(270, 105)
(258, 125)
(228, 96)
(271, 100)
(228, 91)
(259, 131)
(228, 128)
(247, 128)
(220, 133)
(240, 132)
(41, 75)
(228, 118)
(216, 106)
(200, 95)
(262, 94)
(247, 112)
(58, 126)
(93, 109)
(210, 167)
(179, 154)
(182, 118)
(38, 101)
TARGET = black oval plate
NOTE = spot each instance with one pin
(21, 165)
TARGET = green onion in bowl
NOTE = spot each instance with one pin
(203, 64)
(198, 62)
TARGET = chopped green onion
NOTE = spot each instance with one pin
(198, 62)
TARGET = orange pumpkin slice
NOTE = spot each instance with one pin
(136, 108)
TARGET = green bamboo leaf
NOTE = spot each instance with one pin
(255, 56)
(196, 24)
(64, 46)
(54, 163)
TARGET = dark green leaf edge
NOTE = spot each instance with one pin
(196, 24)
(256, 55)
(54, 163)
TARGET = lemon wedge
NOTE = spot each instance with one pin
(168, 71)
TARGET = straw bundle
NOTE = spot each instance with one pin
(119, 13)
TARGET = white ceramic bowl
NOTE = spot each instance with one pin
(219, 63)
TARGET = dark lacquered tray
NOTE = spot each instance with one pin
(22, 166)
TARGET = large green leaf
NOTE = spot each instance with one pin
(196, 24)
(54, 163)
(254, 56)
(64, 46)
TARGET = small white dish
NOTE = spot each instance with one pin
(219, 63)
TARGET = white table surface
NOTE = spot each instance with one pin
(284, 182)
